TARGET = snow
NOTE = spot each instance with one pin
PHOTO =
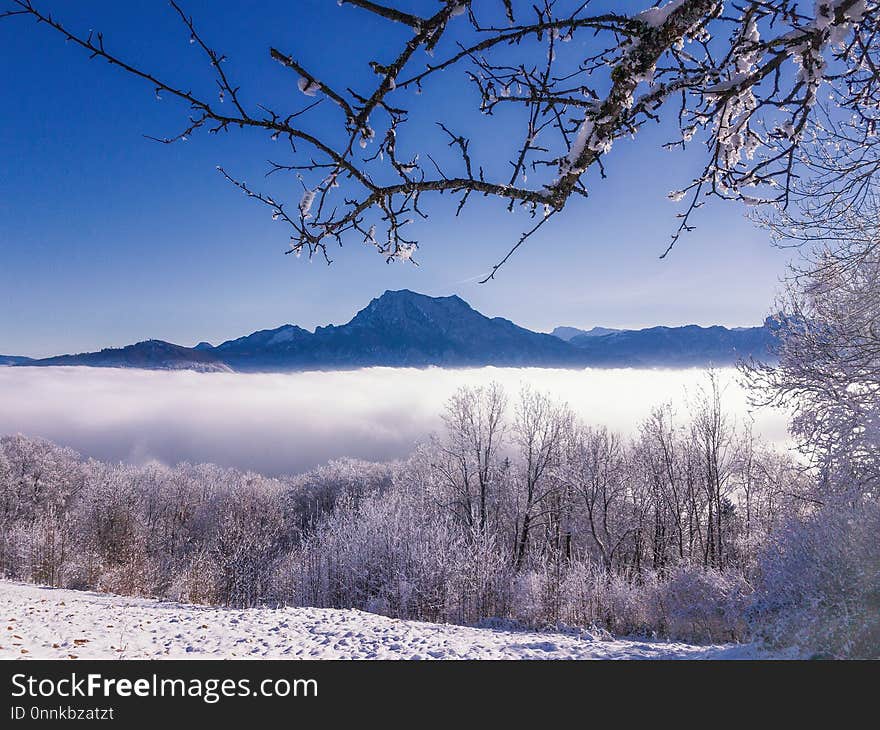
(48, 623)
(285, 334)
(585, 131)
(586, 138)
(305, 203)
(856, 11)
(824, 13)
(309, 87)
(655, 17)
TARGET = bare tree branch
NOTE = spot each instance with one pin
(751, 95)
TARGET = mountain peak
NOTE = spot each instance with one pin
(408, 295)
(287, 335)
(405, 308)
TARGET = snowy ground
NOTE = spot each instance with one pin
(47, 623)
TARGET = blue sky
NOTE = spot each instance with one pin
(107, 238)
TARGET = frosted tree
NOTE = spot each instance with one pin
(820, 580)
(828, 348)
(247, 540)
(539, 428)
(663, 457)
(38, 480)
(595, 468)
(472, 466)
(827, 342)
(744, 78)
(713, 437)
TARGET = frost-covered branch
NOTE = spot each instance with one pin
(743, 77)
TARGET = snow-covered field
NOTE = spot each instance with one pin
(46, 623)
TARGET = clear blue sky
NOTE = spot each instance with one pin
(107, 238)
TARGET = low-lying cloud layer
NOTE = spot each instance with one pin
(292, 422)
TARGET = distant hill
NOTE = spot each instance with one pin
(406, 329)
(149, 355)
(14, 360)
(675, 346)
(567, 333)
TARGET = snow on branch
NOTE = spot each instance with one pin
(744, 78)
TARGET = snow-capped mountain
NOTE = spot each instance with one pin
(403, 328)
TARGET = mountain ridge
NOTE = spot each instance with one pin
(568, 333)
(148, 354)
(403, 328)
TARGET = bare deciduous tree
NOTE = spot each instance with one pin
(539, 429)
(475, 427)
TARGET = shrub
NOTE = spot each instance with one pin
(821, 584)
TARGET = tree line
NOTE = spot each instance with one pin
(516, 511)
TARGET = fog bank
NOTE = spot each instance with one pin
(285, 423)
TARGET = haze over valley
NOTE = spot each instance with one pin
(286, 423)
